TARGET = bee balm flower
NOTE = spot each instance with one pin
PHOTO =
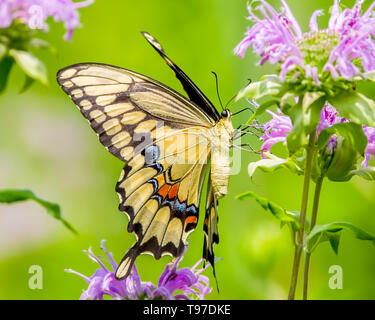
(34, 13)
(174, 283)
(344, 49)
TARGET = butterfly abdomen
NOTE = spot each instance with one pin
(220, 163)
(220, 176)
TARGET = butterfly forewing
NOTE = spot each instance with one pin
(123, 107)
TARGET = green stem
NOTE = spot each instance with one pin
(302, 220)
(306, 269)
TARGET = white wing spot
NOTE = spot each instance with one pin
(127, 153)
(112, 126)
(98, 116)
(104, 100)
(107, 89)
(114, 110)
(85, 104)
(77, 93)
(121, 139)
(133, 117)
(68, 84)
(67, 73)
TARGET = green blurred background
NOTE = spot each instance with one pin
(48, 147)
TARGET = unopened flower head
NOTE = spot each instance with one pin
(326, 58)
(277, 129)
(34, 13)
(174, 283)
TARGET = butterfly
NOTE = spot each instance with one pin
(167, 142)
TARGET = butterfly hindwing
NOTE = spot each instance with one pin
(211, 234)
(163, 210)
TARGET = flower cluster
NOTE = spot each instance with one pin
(174, 283)
(34, 13)
(277, 129)
(345, 48)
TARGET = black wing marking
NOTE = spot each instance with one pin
(194, 93)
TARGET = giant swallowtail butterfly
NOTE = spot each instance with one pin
(167, 142)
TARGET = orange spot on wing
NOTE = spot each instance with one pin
(190, 219)
(206, 222)
(173, 191)
(164, 190)
(160, 179)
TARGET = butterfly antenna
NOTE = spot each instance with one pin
(244, 109)
(217, 89)
(231, 99)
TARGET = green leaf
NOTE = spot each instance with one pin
(13, 196)
(273, 163)
(5, 67)
(3, 51)
(355, 107)
(351, 132)
(31, 65)
(334, 240)
(285, 216)
(369, 76)
(331, 232)
(26, 85)
(42, 44)
(305, 117)
(270, 85)
(365, 173)
(288, 99)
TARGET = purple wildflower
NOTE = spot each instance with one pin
(190, 281)
(370, 149)
(34, 13)
(275, 131)
(345, 48)
(328, 117)
(174, 284)
(272, 38)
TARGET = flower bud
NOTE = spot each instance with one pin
(335, 161)
(343, 160)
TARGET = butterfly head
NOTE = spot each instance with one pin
(226, 122)
(225, 113)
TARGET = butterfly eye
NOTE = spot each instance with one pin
(224, 113)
